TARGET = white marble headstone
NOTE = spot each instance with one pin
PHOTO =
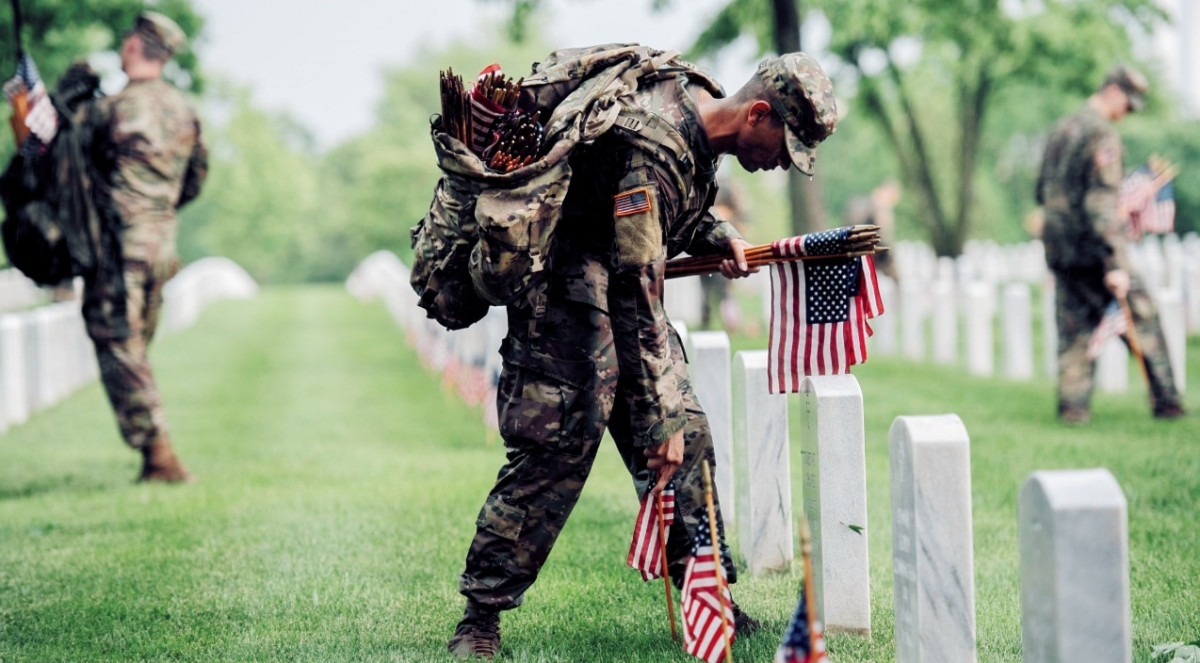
(709, 356)
(1018, 332)
(912, 318)
(1050, 326)
(932, 549)
(1171, 316)
(980, 308)
(885, 340)
(1074, 568)
(945, 322)
(1112, 367)
(761, 467)
(12, 369)
(834, 471)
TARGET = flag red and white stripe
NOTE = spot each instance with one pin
(703, 627)
(645, 551)
(819, 315)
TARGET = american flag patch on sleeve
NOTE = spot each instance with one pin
(631, 202)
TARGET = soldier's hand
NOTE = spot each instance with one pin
(737, 267)
(666, 458)
(1117, 281)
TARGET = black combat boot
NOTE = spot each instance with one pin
(478, 634)
(743, 624)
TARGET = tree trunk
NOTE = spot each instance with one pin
(808, 214)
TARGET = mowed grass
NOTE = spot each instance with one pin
(339, 485)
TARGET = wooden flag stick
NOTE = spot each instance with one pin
(810, 599)
(1135, 347)
(700, 265)
(662, 543)
(718, 559)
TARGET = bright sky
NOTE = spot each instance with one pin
(321, 61)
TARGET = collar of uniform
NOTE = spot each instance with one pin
(695, 135)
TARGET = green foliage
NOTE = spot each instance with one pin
(58, 32)
(259, 206)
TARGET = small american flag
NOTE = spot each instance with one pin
(702, 605)
(645, 551)
(819, 310)
(33, 110)
(803, 642)
(1150, 210)
(631, 202)
(1112, 325)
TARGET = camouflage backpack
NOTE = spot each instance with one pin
(485, 240)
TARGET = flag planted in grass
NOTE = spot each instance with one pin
(707, 604)
(819, 309)
(1112, 325)
(645, 551)
(803, 642)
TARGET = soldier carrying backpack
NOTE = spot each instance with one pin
(577, 258)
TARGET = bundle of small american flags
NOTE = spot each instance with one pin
(34, 120)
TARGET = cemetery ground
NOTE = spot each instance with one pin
(339, 484)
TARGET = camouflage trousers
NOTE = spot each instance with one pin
(124, 362)
(557, 395)
(1082, 302)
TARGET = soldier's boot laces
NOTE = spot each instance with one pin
(743, 624)
(159, 463)
(477, 635)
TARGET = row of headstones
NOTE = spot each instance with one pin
(925, 324)
(930, 310)
(932, 540)
(1073, 540)
(18, 292)
(46, 354)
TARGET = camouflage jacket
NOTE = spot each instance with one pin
(1078, 188)
(631, 205)
(146, 145)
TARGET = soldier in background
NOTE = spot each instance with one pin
(148, 159)
(599, 352)
(1084, 237)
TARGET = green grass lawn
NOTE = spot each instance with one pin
(339, 484)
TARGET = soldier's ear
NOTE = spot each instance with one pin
(758, 111)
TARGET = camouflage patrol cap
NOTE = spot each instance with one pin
(161, 30)
(801, 93)
(1131, 81)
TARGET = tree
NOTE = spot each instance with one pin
(929, 71)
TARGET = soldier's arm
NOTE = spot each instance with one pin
(1101, 200)
(644, 204)
(197, 170)
(713, 236)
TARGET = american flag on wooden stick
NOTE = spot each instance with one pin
(703, 625)
(1148, 195)
(804, 640)
(819, 309)
(33, 112)
(645, 551)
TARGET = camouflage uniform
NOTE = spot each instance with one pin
(1084, 239)
(600, 353)
(146, 145)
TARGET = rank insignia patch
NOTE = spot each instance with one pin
(632, 202)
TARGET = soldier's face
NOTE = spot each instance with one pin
(761, 143)
(129, 47)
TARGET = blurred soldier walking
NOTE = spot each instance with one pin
(148, 159)
(1084, 236)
